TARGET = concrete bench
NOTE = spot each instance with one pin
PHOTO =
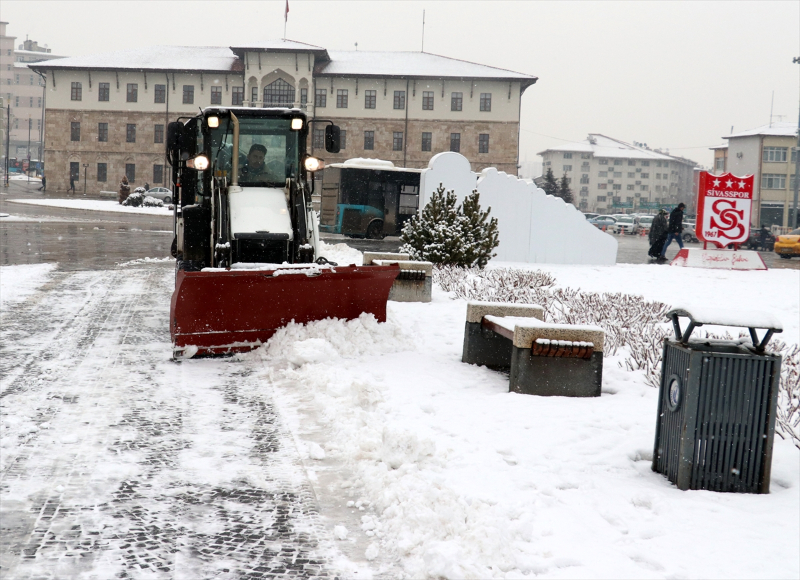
(542, 358)
(413, 284)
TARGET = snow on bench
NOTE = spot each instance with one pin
(525, 331)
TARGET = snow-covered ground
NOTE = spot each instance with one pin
(19, 282)
(94, 205)
(422, 466)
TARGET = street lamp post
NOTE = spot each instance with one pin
(29, 150)
(85, 167)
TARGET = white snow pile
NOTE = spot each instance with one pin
(94, 205)
(141, 261)
(342, 254)
(19, 282)
(448, 475)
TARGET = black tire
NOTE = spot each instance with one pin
(168, 199)
(785, 257)
(687, 237)
(375, 231)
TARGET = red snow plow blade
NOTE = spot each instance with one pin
(220, 312)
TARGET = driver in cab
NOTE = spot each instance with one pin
(255, 169)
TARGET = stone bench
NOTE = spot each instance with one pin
(542, 358)
(413, 284)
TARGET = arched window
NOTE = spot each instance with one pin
(279, 93)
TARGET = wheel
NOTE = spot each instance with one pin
(168, 199)
(375, 231)
(785, 257)
(687, 237)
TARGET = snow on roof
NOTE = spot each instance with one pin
(38, 53)
(412, 64)
(369, 163)
(779, 129)
(602, 146)
(177, 58)
(276, 44)
(715, 147)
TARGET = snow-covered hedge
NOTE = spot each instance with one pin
(138, 199)
(634, 326)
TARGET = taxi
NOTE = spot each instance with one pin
(788, 245)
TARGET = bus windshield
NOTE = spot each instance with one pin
(268, 151)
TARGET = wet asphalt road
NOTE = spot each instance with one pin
(88, 240)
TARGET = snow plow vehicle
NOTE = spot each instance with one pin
(246, 241)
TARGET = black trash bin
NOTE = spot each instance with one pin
(717, 404)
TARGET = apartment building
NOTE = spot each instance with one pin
(607, 175)
(769, 153)
(23, 90)
(110, 111)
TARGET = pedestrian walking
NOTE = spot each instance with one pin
(658, 234)
(674, 230)
(71, 183)
(124, 189)
(44, 184)
(146, 186)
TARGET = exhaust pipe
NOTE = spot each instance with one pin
(235, 152)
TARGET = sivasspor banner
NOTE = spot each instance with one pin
(723, 208)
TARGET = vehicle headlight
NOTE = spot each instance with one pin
(297, 124)
(213, 122)
(314, 164)
(200, 163)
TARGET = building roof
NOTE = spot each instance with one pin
(412, 64)
(277, 45)
(159, 58)
(778, 129)
(602, 146)
(717, 147)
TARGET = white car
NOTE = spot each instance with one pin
(161, 193)
(646, 222)
(626, 225)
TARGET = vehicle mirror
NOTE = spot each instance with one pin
(333, 137)
(175, 140)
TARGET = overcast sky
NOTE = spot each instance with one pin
(674, 75)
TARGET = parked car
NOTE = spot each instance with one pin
(645, 223)
(626, 225)
(688, 234)
(756, 241)
(590, 216)
(161, 193)
(603, 222)
(788, 245)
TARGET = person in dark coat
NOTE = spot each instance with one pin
(674, 229)
(71, 184)
(658, 234)
(44, 184)
(124, 189)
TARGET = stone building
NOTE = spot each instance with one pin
(610, 176)
(110, 111)
(23, 90)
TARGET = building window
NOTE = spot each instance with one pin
(601, 198)
(237, 96)
(321, 97)
(486, 101)
(102, 132)
(303, 96)
(770, 154)
(666, 164)
(768, 180)
(567, 155)
(216, 97)
(456, 101)
(602, 174)
(644, 187)
(602, 186)
(158, 174)
(158, 134)
(455, 142)
(74, 131)
(632, 162)
(584, 178)
(133, 92)
(279, 93)
(76, 94)
(566, 168)
(318, 138)
(399, 99)
(16, 104)
(617, 161)
(341, 98)
(427, 100)
(617, 186)
(30, 101)
(253, 94)
(645, 176)
(586, 155)
(130, 133)
(427, 139)
(369, 140)
(74, 170)
(188, 94)
(483, 147)
(370, 98)
(160, 94)
(617, 174)
(39, 102)
(602, 161)
(645, 164)
(342, 139)
(103, 91)
(629, 187)
(397, 141)
(130, 171)
(102, 172)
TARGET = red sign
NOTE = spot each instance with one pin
(723, 208)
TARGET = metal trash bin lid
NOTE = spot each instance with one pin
(698, 316)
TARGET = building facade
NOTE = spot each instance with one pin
(110, 111)
(769, 153)
(23, 90)
(610, 176)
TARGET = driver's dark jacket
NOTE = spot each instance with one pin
(676, 221)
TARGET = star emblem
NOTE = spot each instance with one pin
(729, 183)
(716, 183)
(741, 185)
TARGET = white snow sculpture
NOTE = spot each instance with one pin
(534, 227)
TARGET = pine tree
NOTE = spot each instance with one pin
(444, 233)
(564, 192)
(550, 184)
